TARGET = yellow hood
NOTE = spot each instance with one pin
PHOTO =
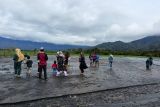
(19, 54)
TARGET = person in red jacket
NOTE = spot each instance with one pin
(42, 63)
(54, 68)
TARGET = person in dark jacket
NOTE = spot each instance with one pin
(110, 59)
(149, 63)
(25, 60)
(82, 65)
(42, 63)
(29, 63)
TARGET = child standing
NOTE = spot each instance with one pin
(149, 63)
(29, 63)
(54, 68)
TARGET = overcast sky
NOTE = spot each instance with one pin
(80, 22)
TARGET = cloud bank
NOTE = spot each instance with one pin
(79, 22)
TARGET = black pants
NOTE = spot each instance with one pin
(17, 67)
(44, 68)
(82, 70)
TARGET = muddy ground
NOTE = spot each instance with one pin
(128, 83)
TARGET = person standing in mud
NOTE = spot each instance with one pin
(66, 57)
(54, 68)
(91, 59)
(149, 63)
(82, 62)
(18, 58)
(94, 58)
(42, 63)
(110, 59)
(97, 60)
(25, 60)
(29, 63)
(60, 61)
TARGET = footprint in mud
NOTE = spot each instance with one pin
(4, 68)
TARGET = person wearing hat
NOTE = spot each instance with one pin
(42, 63)
(61, 67)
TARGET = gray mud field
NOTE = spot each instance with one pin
(127, 84)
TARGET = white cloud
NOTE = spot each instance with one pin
(81, 22)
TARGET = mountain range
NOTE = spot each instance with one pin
(149, 43)
(30, 45)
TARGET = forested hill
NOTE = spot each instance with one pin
(150, 43)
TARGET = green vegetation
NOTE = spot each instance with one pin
(126, 53)
(6, 52)
(11, 52)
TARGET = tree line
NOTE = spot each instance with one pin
(155, 53)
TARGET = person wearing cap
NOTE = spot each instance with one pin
(42, 63)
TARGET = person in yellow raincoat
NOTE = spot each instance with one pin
(18, 58)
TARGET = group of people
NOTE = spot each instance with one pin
(18, 59)
(94, 59)
(60, 65)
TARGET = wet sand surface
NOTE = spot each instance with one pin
(128, 83)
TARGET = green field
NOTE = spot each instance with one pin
(11, 52)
